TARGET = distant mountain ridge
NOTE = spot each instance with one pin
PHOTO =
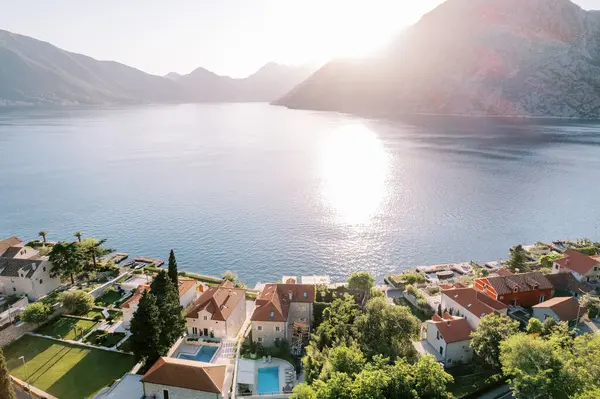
(36, 72)
(473, 57)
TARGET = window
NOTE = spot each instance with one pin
(276, 328)
(205, 317)
(272, 315)
(44, 268)
(259, 328)
(14, 289)
(41, 281)
(515, 289)
(542, 298)
(441, 351)
(259, 339)
(449, 360)
(195, 330)
(305, 295)
(437, 335)
(165, 394)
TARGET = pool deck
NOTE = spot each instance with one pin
(275, 362)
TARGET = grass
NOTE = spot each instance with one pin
(102, 338)
(65, 370)
(125, 346)
(418, 313)
(108, 298)
(64, 327)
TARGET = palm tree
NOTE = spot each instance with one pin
(43, 234)
(78, 235)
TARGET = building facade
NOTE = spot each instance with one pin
(523, 289)
(584, 268)
(449, 337)
(470, 304)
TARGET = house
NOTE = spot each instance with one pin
(564, 284)
(278, 308)
(188, 292)
(470, 304)
(7, 243)
(522, 289)
(172, 378)
(219, 312)
(448, 339)
(584, 268)
(29, 277)
(560, 309)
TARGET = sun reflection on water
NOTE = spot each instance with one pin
(355, 167)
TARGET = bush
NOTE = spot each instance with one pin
(36, 313)
(411, 278)
(590, 250)
(77, 302)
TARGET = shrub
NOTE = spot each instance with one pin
(36, 313)
(411, 278)
(77, 302)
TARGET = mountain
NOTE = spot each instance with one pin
(36, 72)
(472, 57)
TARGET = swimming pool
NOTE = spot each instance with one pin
(268, 380)
(204, 354)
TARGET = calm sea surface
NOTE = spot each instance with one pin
(267, 191)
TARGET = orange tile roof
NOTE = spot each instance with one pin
(189, 374)
(453, 330)
(525, 282)
(218, 301)
(576, 261)
(474, 301)
(273, 303)
(136, 296)
(185, 285)
(566, 308)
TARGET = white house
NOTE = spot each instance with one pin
(189, 291)
(560, 309)
(448, 339)
(220, 311)
(278, 307)
(584, 268)
(27, 276)
(471, 304)
(171, 378)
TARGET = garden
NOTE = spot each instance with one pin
(67, 328)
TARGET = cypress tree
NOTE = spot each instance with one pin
(146, 326)
(6, 388)
(173, 268)
(171, 312)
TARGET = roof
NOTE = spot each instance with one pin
(185, 285)
(504, 272)
(576, 261)
(453, 329)
(136, 296)
(566, 281)
(566, 308)
(189, 374)
(523, 281)
(474, 301)
(10, 267)
(273, 303)
(218, 301)
(9, 242)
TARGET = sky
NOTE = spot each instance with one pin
(228, 37)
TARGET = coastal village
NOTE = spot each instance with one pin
(79, 320)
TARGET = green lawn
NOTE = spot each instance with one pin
(418, 313)
(64, 370)
(102, 338)
(64, 327)
(108, 298)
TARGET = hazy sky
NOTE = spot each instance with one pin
(229, 37)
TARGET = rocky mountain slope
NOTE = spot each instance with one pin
(36, 72)
(473, 57)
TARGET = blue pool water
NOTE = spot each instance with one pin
(203, 355)
(268, 380)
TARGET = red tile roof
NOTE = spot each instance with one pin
(454, 330)
(566, 308)
(189, 374)
(218, 301)
(273, 303)
(523, 282)
(9, 242)
(474, 301)
(577, 262)
(136, 296)
(504, 272)
(185, 286)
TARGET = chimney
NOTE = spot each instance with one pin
(33, 266)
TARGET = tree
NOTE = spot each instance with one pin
(78, 235)
(592, 393)
(66, 260)
(169, 308)
(492, 330)
(361, 281)
(6, 388)
(546, 261)
(173, 268)
(304, 391)
(145, 331)
(43, 234)
(517, 259)
(549, 325)
(592, 304)
(230, 276)
(337, 387)
(36, 313)
(533, 367)
(347, 359)
(535, 326)
(92, 249)
(77, 302)
(431, 380)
